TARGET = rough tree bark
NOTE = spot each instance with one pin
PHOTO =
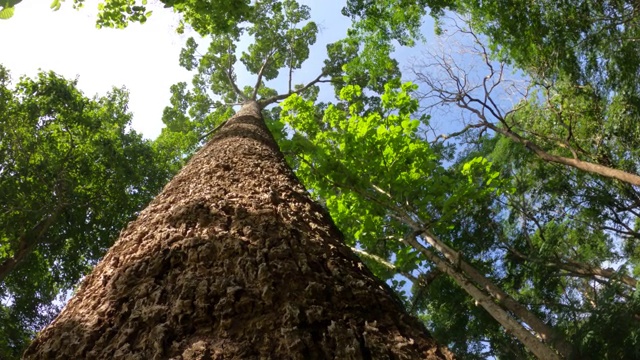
(233, 260)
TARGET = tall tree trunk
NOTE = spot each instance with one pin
(233, 260)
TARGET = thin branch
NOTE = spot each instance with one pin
(578, 269)
(29, 240)
(229, 73)
(213, 131)
(265, 102)
(386, 264)
(446, 137)
(260, 73)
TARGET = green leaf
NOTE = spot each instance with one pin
(6, 13)
(55, 5)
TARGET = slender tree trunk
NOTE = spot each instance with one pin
(234, 261)
(546, 332)
(590, 167)
(511, 325)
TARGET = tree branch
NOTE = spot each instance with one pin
(27, 242)
(531, 342)
(265, 102)
(463, 98)
(386, 264)
(260, 73)
(229, 73)
(445, 137)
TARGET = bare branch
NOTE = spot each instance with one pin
(265, 102)
(446, 137)
(260, 73)
(457, 89)
(229, 73)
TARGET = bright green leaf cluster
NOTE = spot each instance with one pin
(364, 165)
(7, 8)
(118, 13)
(480, 166)
(206, 17)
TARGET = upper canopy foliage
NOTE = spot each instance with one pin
(205, 17)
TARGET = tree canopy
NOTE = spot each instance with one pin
(512, 233)
(72, 174)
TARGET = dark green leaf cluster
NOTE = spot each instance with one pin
(72, 174)
(590, 41)
(393, 19)
(560, 228)
(281, 36)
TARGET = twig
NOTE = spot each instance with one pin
(271, 100)
(260, 73)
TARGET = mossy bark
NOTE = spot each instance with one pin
(233, 260)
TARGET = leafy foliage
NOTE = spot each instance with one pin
(378, 177)
(392, 19)
(562, 228)
(363, 164)
(595, 44)
(206, 17)
(553, 231)
(72, 175)
(561, 241)
(281, 33)
(7, 8)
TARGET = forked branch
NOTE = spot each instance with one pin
(264, 102)
(261, 73)
(456, 88)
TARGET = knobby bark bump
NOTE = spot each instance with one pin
(233, 260)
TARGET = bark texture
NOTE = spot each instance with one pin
(234, 261)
